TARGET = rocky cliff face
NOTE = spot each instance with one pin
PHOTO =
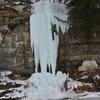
(76, 48)
(15, 51)
(81, 47)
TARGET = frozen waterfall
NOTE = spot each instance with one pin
(45, 86)
(45, 50)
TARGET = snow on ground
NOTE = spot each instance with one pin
(97, 76)
(33, 89)
(12, 92)
(89, 95)
(73, 84)
(29, 91)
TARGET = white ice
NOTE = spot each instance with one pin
(46, 85)
(45, 50)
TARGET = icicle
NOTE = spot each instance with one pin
(45, 86)
(46, 50)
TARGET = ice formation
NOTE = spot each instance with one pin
(45, 50)
(46, 85)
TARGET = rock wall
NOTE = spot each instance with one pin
(75, 48)
(15, 51)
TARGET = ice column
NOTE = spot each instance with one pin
(45, 49)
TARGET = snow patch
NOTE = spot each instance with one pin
(73, 84)
(97, 77)
(89, 95)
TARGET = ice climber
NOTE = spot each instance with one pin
(53, 29)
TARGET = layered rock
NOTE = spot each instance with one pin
(15, 51)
